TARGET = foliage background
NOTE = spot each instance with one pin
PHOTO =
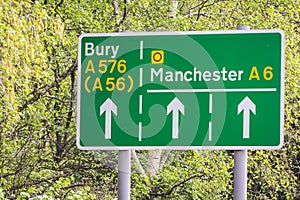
(38, 66)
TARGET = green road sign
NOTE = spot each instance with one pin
(181, 90)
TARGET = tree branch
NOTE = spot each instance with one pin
(36, 182)
(116, 13)
(38, 95)
(174, 186)
(57, 5)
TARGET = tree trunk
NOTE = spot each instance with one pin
(173, 8)
(137, 163)
(153, 162)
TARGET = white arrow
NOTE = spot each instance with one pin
(175, 106)
(246, 105)
(108, 106)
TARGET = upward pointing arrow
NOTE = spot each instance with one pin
(246, 105)
(108, 106)
(175, 105)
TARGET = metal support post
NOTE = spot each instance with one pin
(240, 175)
(124, 169)
(240, 165)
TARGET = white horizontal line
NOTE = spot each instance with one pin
(212, 90)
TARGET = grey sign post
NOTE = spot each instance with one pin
(240, 165)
